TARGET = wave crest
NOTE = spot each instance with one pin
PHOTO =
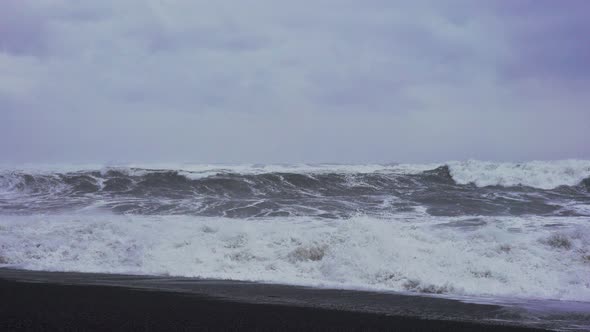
(536, 174)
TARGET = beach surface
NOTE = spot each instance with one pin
(41, 301)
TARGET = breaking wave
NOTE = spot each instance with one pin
(536, 174)
(332, 191)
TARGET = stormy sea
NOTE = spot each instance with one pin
(516, 235)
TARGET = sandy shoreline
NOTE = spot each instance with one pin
(77, 301)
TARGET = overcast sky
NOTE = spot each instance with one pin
(293, 81)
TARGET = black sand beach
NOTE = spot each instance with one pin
(42, 301)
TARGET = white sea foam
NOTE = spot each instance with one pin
(530, 257)
(539, 174)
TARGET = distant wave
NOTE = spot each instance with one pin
(332, 191)
(536, 174)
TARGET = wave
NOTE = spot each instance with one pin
(463, 228)
(527, 257)
(536, 174)
(459, 188)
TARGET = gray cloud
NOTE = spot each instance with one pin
(263, 81)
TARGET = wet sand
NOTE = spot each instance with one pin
(45, 301)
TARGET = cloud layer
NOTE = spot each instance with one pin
(307, 81)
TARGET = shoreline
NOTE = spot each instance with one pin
(83, 301)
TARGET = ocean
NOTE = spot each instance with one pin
(484, 231)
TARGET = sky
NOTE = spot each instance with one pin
(269, 81)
